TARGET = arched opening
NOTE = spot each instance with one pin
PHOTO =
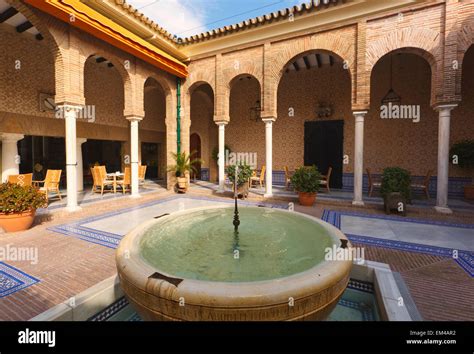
(31, 139)
(203, 130)
(462, 126)
(314, 123)
(153, 132)
(245, 133)
(195, 148)
(401, 127)
(104, 126)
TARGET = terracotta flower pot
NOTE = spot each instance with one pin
(182, 182)
(469, 191)
(17, 221)
(307, 199)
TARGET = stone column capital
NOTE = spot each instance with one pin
(11, 137)
(445, 107)
(134, 118)
(268, 120)
(222, 123)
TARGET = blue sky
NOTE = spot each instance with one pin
(188, 17)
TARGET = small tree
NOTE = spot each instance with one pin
(306, 179)
(184, 163)
(243, 175)
(395, 179)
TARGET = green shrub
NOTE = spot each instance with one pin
(244, 173)
(306, 179)
(395, 179)
(16, 199)
(183, 163)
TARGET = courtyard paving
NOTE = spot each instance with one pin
(76, 251)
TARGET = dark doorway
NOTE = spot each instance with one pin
(101, 152)
(195, 146)
(323, 147)
(41, 153)
(150, 159)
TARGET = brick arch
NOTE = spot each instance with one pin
(170, 100)
(228, 88)
(465, 40)
(420, 41)
(128, 87)
(342, 46)
(42, 24)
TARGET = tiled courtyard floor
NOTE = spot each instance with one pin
(441, 289)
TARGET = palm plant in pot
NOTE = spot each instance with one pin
(184, 164)
(395, 189)
(463, 153)
(18, 206)
(243, 175)
(306, 181)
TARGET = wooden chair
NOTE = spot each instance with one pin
(372, 183)
(260, 179)
(425, 185)
(22, 180)
(287, 178)
(100, 182)
(126, 182)
(325, 179)
(50, 183)
(141, 174)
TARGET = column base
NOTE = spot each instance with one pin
(358, 203)
(73, 209)
(138, 195)
(268, 195)
(443, 210)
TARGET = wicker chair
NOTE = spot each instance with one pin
(425, 185)
(99, 181)
(325, 179)
(141, 174)
(50, 183)
(126, 182)
(259, 179)
(22, 180)
(372, 183)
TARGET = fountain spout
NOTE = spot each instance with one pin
(236, 209)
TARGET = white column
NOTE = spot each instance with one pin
(268, 157)
(443, 157)
(10, 156)
(80, 167)
(70, 114)
(134, 154)
(221, 158)
(358, 157)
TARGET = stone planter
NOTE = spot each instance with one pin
(393, 201)
(469, 192)
(182, 184)
(307, 199)
(17, 221)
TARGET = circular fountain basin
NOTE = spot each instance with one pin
(190, 266)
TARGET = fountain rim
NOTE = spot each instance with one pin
(132, 265)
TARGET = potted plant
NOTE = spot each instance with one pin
(306, 181)
(184, 163)
(18, 206)
(463, 153)
(243, 176)
(395, 189)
